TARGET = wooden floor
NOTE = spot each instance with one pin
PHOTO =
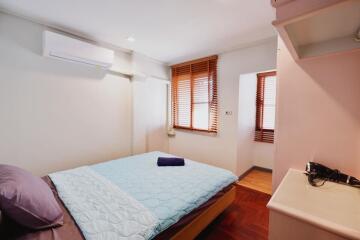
(247, 218)
(259, 180)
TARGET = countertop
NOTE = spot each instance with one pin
(333, 207)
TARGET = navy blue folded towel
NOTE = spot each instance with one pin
(170, 161)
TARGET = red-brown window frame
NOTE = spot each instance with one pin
(213, 102)
(261, 134)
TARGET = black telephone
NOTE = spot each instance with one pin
(318, 174)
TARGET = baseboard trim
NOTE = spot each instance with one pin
(263, 169)
(245, 173)
(254, 168)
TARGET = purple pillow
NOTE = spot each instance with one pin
(27, 199)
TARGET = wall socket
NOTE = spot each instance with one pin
(228, 113)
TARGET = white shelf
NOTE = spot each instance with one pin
(342, 44)
(324, 31)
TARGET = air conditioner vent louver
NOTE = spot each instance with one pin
(69, 49)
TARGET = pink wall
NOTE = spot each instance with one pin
(318, 112)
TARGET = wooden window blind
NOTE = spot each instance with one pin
(265, 107)
(194, 95)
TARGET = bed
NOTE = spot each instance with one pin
(133, 198)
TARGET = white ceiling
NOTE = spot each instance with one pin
(167, 30)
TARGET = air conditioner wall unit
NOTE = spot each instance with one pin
(69, 49)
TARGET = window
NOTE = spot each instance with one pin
(265, 107)
(194, 95)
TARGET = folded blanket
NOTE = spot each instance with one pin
(100, 208)
(170, 161)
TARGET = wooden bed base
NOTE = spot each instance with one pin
(191, 230)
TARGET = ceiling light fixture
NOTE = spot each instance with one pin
(131, 39)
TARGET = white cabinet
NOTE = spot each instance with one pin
(310, 29)
(299, 211)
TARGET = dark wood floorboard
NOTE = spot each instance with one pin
(247, 218)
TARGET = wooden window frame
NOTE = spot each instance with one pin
(262, 134)
(213, 102)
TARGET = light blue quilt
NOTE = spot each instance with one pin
(168, 192)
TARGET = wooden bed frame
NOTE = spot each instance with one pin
(191, 230)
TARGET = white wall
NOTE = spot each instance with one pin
(263, 155)
(57, 115)
(222, 149)
(246, 119)
(150, 105)
(251, 153)
(150, 115)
